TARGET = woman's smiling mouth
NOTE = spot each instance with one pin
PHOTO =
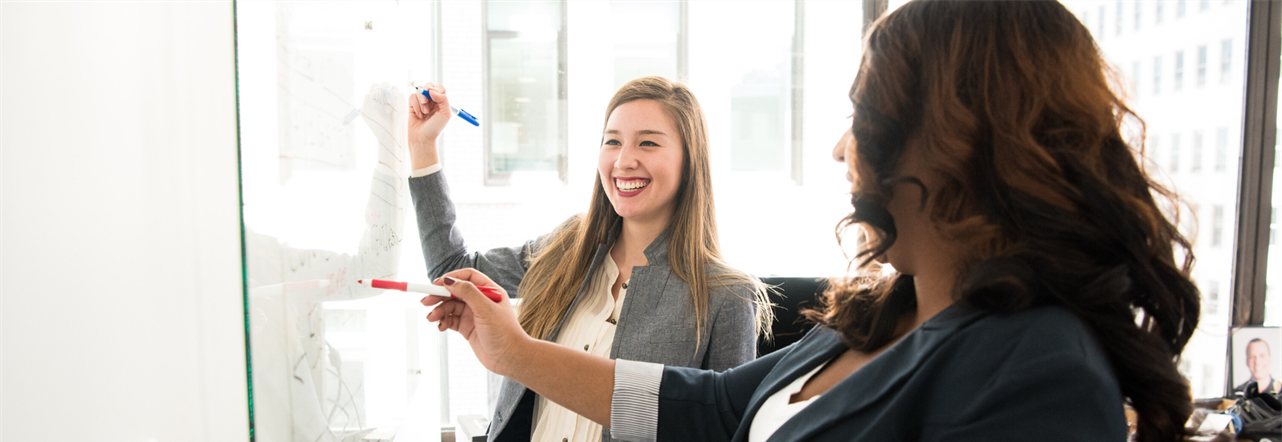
(630, 186)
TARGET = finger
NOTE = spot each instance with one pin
(431, 300)
(467, 292)
(441, 99)
(414, 108)
(445, 310)
(422, 103)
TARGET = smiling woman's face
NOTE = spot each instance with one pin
(640, 162)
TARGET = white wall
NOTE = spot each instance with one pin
(120, 268)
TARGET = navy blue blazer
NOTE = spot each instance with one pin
(964, 375)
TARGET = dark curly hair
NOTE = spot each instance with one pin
(1012, 105)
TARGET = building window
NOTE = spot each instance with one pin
(1206, 5)
(1100, 34)
(1155, 150)
(761, 93)
(1157, 75)
(1138, 15)
(1195, 163)
(1135, 77)
(1118, 20)
(1175, 153)
(1226, 59)
(1157, 14)
(1217, 225)
(1221, 149)
(1179, 8)
(1179, 70)
(1201, 66)
(525, 122)
(1211, 298)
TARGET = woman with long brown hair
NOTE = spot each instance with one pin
(640, 276)
(1035, 291)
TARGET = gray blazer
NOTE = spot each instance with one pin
(656, 324)
(965, 375)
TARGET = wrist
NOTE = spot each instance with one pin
(423, 155)
(523, 351)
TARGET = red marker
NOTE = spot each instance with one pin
(490, 292)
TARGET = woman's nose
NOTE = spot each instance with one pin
(627, 158)
(839, 151)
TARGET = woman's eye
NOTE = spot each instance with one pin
(648, 143)
(611, 142)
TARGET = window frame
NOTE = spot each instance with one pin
(1259, 137)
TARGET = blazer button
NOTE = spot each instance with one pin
(625, 285)
(612, 321)
(565, 439)
(585, 346)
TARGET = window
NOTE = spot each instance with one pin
(1157, 75)
(1206, 4)
(1100, 34)
(1157, 14)
(1226, 60)
(1195, 163)
(1211, 298)
(1221, 149)
(1154, 148)
(1118, 19)
(1217, 225)
(525, 121)
(1201, 66)
(1179, 8)
(1138, 15)
(1135, 77)
(1175, 154)
(761, 89)
(1179, 70)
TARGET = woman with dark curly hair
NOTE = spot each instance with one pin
(1036, 290)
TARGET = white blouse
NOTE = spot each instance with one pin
(776, 410)
(591, 328)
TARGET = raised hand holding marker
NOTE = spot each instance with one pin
(453, 110)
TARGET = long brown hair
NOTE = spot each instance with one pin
(1013, 109)
(557, 272)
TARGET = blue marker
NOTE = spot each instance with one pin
(456, 111)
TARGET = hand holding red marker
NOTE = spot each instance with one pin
(490, 292)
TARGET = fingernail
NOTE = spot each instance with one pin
(422, 300)
(450, 280)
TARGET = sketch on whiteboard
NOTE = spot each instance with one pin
(298, 374)
(314, 83)
(325, 199)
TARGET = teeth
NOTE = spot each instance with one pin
(628, 186)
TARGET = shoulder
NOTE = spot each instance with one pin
(1043, 339)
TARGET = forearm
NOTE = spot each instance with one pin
(578, 381)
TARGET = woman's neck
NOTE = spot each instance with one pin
(935, 285)
(634, 238)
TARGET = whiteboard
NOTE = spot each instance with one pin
(322, 110)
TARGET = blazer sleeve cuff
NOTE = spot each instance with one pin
(634, 407)
(425, 171)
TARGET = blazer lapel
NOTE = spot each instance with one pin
(883, 375)
(812, 351)
(597, 259)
